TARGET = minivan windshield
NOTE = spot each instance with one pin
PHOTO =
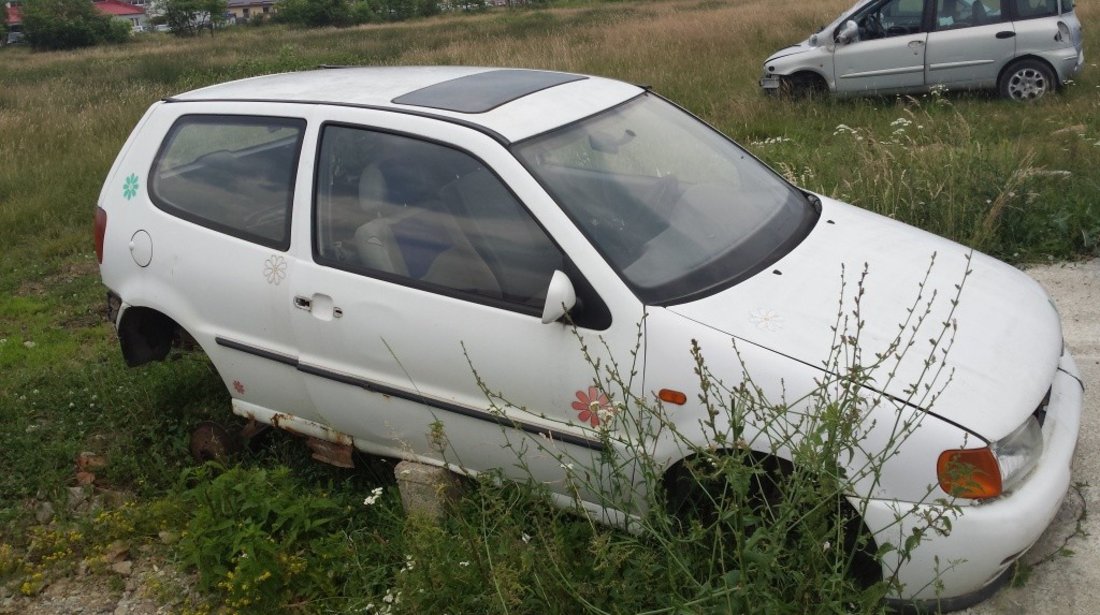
(678, 209)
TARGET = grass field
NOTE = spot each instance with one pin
(1018, 181)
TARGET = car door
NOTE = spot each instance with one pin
(419, 309)
(222, 183)
(1036, 25)
(971, 41)
(889, 53)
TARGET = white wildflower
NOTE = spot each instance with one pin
(373, 497)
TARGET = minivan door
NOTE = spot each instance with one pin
(971, 41)
(888, 54)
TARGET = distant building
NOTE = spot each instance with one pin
(240, 11)
(123, 11)
(13, 19)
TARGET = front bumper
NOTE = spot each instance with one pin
(961, 568)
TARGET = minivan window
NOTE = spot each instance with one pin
(1031, 9)
(890, 18)
(953, 14)
(231, 173)
(677, 208)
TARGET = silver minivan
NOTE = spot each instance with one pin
(1023, 48)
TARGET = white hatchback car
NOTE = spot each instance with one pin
(1022, 48)
(341, 241)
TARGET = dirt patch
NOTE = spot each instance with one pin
(147, 585)
(69, 272)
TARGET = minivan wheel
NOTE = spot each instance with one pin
(1027, 80)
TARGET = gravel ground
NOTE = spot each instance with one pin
(1069, 584)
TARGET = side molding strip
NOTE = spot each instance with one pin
(382, 389)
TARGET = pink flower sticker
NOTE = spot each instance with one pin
(238, 387)
(591, 406)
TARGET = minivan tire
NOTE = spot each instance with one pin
(1026, 81)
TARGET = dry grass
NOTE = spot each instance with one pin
(64, 114)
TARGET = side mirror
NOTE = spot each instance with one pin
(560, 298)
(849, 32)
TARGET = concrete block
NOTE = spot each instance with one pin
(426, 490)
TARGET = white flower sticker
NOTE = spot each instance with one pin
(768, 320)
(275, 269)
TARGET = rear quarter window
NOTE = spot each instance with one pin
(233, 174)
(1032, 9)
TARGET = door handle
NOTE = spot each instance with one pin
(320, 306)
(915, 44)
(1006, 34)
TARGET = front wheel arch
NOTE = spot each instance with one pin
(684, 502)
(803, 84)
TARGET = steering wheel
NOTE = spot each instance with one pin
(873, 24)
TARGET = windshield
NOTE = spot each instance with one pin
(678, 209)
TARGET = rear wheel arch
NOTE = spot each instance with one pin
(1020, 66)
(147, 335)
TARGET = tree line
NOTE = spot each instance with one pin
(68, 24)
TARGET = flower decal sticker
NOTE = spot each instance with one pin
(275, 269)
(766, 319)
(238, 387)
(593, 407)
(130, 187)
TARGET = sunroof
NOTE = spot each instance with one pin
(484, 91)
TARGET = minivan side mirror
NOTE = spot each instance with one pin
(848, 32)
(560, 298)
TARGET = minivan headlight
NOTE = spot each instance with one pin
(987, 472)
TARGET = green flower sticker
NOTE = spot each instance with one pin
(130, 188)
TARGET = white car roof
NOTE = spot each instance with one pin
(512, 104)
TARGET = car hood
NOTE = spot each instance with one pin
(802, 47)
(1008, 337)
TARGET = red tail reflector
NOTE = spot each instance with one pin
(100, 231)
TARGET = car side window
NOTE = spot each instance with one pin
(1033, 9)
(427, 215)
(890, 18)
(231, 173)
(954, 14)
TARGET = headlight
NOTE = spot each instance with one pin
(1018, 453)
(988, 472)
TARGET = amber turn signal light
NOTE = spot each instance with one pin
(671, 396)
(969, 473)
